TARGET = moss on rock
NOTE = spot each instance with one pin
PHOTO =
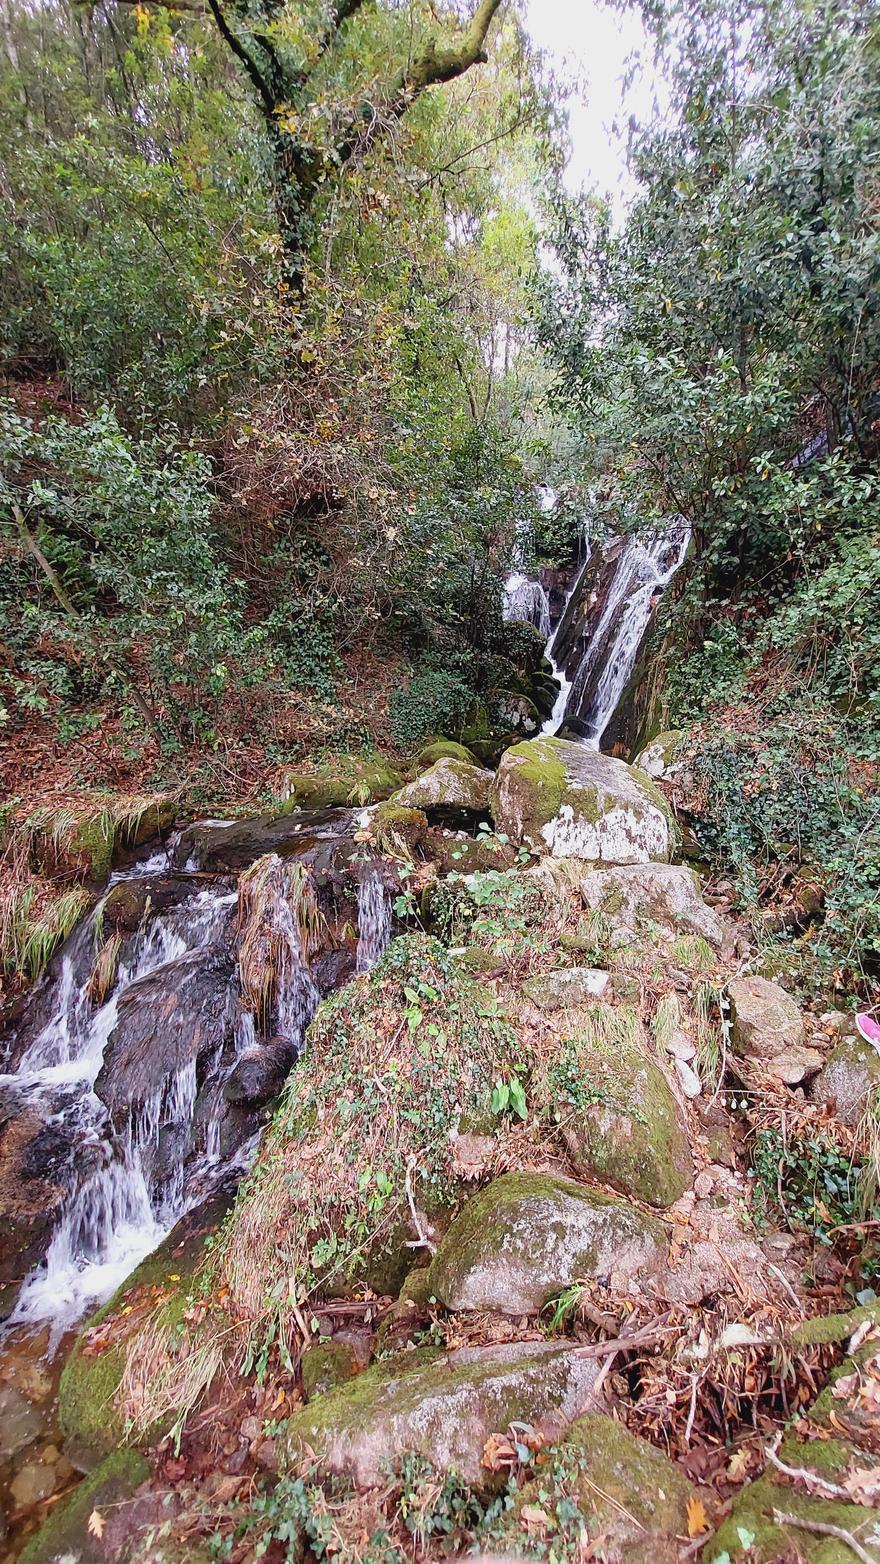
(325, 1366)
(443, 749)
(65, 1534)
(750, 1532)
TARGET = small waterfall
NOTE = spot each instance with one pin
(560, 705)
(643, 570)
(374, 920)
(526, 600)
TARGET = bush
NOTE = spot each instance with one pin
(433, 702)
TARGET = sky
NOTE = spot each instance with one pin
(594, 44)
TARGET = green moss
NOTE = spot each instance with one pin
(630, 1472)
(394, 821)
(831, 1329)
(751, 1533)
(325, 1366)
(351, 782)
(94, 840)
(443, 749)
(65, 1533)
(540, 778)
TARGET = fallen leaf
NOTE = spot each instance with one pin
(864, 1485)
(535, 1520)
(499, 1453)
(96, 1524)
(739, 1464)
(698, 1520)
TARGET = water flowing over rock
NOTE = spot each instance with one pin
(568, 800)
(527, 601)
(374, 920)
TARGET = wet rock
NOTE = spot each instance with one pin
(219, 845)
(65, 1534)
(325, 1366)
(624, 1125)
(32, 1483)
(568, 986)
(176, 1014)
(127, 903)
(447, 785)
(634, 1497)
(37, 1163)
(768, 1029)
(849, 1079)
(20, 1422)
(657, 759)
(260, 1073)
(668, 894)
(443, 1406)
(518, 712)
(526, 1236)
(570, 801)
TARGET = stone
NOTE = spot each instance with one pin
(849, 1079)
(568, 986)
(352, 782)
(390, 823)
(625, 1127)
(669, 894)
(32, 1483)
(633, 1497)
(448, 784)
(443, 1406)
(442, 749)
(65, 1534)
(767, 1028)
(657, 759)
(570, 801)
(688, 1079)
(38, 1157)
(20, 1422)
(527, 1236)
(750, 1534)
(220, 846)
(681, 1047)
(704, 1184)
(260, 1073)
(325, 1366)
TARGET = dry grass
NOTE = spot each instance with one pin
(268, 891)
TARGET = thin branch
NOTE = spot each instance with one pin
(811, 1480)
(234, 43)
(825, 1529)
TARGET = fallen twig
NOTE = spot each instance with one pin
(803, 1474)
(825, 1529)
(602, 1349)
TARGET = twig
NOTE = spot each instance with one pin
(602, 1349)
(804, 1475)
(825, 1529)
(787, 1285)
(689, 1426)
(424, 1241)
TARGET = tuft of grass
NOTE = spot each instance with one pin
(666, 1020)
(103, 974)
(694, 953)
(709, 1052)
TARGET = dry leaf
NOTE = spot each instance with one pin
(864, 1485)
(96, 1524)
(739, 1464)
(499, 1453)
(535, 1520)
(698, 1520)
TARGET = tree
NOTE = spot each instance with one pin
(301, 61)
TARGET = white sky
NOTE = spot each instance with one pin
(587, 41)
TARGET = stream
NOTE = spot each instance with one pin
(134, 1082)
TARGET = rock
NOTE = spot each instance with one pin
(527, 1236)
(325, 1366)
(660, 893)
(850, 1077)
(767, 1028)
(442, 749)
(750, 1534)
(681, 1047)
(688, 1079)
(32, 1483)
(518, 712)
(177, 1013)
(657, 759)
(65, 1534)
(260, 1073)
(390, 821)
(568, 986)
(442, 1406)
(572, 802)
(217, 846)
(20, 1422)
(704, 1184)
(127, 903)
(37, 1162)
(447, 785)
(622, 1124)
(352, 783)
(331, 969)
(631, 1494)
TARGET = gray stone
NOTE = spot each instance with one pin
(681, 1047)
(260, 1073)
(768, 1029)
(448, 784)
(688, 1079)
(32, 1483)
(849, 1079)
(568, 800)
(443, 1406)
(527, 1236)
(20, 1422)
(657, 759)
(568, 986)
(664, 893)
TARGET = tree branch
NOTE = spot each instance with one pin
(235, 44)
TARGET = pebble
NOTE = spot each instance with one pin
(681, 1046)
(688, 1079)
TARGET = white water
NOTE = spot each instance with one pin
(560, 705)
(527, 601)
(643, 570)
(374, 920)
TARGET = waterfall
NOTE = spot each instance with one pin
(526, 600)
(643, 570)
(560, 705)
(374, 920)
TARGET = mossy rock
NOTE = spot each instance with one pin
(391, 823)
(848, 1079)
(66, 1535)
(325, 1366)
(449, 785)
(406, 1318)
(442, 1406)
(620, 1120)
(463, 854)
(527, 1236)
(630, 1494)
(750, 1532)
(658, 756)
(443, 749)
(353, 782)
(568, 800)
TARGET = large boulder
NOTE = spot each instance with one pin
(260, 1072)
(568, 800)
(633, 1496)
(442, 1406)
(850, 1078)
(618, 1117)
(527, 1236)
(166, 1020)
(450, 784)
(68, 1535)
(657, 759)
(767, 1029)
(216, 846)
(663, 893)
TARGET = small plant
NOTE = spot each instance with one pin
(508, 1096)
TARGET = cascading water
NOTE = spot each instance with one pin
(527, 601)
(374, 920)
(560, 705)
(644, 568)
